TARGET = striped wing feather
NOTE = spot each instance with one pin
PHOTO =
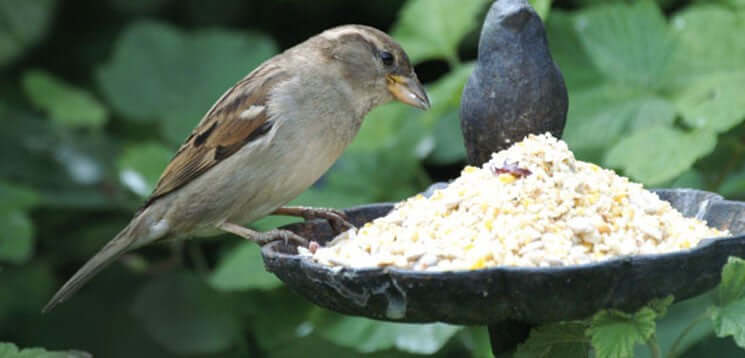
(237, 118)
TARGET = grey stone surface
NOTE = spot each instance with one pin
(515, 89)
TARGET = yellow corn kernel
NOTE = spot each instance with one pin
(619, 197)
(480, 263)
(506, 178)
(603, 228)
(594, 198)
(594, 167)
(469, 169)
(489, 224)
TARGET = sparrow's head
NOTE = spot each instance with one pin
(371, 60)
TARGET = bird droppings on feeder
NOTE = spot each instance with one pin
(393, 295)
(533, 204)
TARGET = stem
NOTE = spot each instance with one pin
(678, 341)
(654, 347)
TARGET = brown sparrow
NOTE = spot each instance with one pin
(265, 141)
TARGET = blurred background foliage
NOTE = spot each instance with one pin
(96, 95)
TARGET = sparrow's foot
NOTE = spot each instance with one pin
(263, 238)
(336, 218)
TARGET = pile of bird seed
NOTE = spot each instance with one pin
(532, 204)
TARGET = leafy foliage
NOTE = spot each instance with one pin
(65, 104)
(433, 29)
(243, 269)
(563, 339)
(93, 110)
(10, 350)
(647, 78)
(24, 24)
(614, 333)
(180, 312)
(729, 313)
(366, 335)
(175, 71)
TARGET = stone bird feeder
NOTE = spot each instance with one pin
(515, 90)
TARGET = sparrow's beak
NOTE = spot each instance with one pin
(408, 90)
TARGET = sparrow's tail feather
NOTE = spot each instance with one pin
(108, 254)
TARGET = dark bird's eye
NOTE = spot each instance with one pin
(387, 58)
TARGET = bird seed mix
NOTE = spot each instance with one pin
(532, 204)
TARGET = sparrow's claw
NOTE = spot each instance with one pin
(336, 218)
(263, 238)
(278, 234)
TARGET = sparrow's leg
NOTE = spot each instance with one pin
(262, 238)
(336, 218)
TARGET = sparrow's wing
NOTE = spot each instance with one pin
(238, 117)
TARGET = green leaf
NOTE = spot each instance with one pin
(16, 240)
(710, 72)
(382, 127)
(161, 73)
(23, 25)
(65, 104)
(679, 318)
(655, 155)
(140, 166)
(272, 333)
(315, 346)
(728, 315)
(367, 335)
(476, 339)
(449, 147)
(729, 320)
(181, 313)
(10, 350)
(542, 7)
(14, 196)
(137, 6)
(569, 53)
(628, 43)
(732, 287)
(445, 95)
(614, 334)
(563, 339)
(691, 178)
(713, 101)
(443, 118)
(733, 185)
(432, 29)
(661, 305)
(243, 269)
(26, 298)
(609, 111)
(709, 41)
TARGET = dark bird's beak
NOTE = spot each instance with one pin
(408, 90)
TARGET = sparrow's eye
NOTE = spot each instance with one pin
(387, 58)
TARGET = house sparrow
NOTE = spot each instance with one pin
(265, 141)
